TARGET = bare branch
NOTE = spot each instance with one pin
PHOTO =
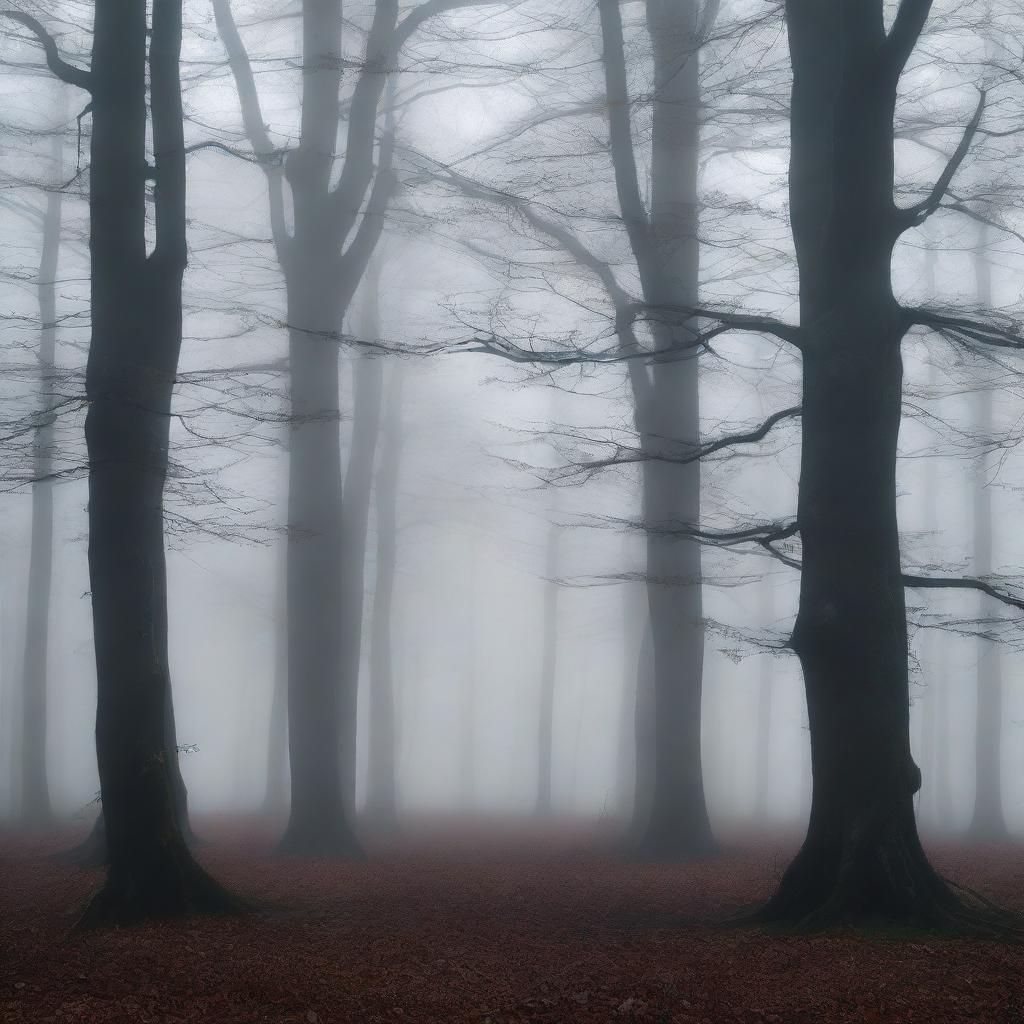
(905, 32)
(61, 68)
(920, 212)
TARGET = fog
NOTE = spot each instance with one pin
(533, 363)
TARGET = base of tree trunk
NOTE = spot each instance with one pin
(169, 884)
(988, 831)
(671, 844)
(330, 837)
(875, 884)
(91, 852)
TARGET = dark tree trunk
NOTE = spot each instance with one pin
(861, 858)
(989, 821)
(549, 664)
(136, 310)
(36, 806)
(381, 795)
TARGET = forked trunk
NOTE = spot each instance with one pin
(132, 364)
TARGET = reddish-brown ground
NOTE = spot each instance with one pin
(554, 936)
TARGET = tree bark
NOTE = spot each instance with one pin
(36, 805)
(861, 858)
(381, 797)
(137, 319)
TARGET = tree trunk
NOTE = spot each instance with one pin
(988, 822)
(36, 806)
(136, 310)
(549, 664)
(275, 795)
(467, 708)
(320, 821)
(381, 796)
(367, 386)
(678, 824)
(765, 693)
(861, 858)
(634, 625)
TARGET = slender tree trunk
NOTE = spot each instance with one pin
(549, 665)
(367, 387)
(678, 823)
(765, 694)
(467, 736)
(320, 821)
(381, 797)
(136, 310)
(989, 820)
(36, 806)
(634, 624)
(275, 796)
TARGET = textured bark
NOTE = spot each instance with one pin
(989, 820)
(136, 310)
(382, 796)
(861, 858)
(549, 665)
(36, 806)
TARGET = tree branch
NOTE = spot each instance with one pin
(920, 212)
(905, 32)
(61, 68)
(696, 452)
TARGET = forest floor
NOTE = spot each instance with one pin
(487, 932)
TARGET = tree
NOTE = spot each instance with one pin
(861, 856)
(665, 246)
(335, 228)
(988, 821)
(381, 795)
(133, 358)
(36, 804)
(549, 664)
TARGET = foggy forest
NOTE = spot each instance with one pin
(507, 511)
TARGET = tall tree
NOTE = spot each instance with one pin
(36, 804)
(549, 665)
(133, 358)
(381, 796)
(989, 820)
(336, 223)
(861, 856)
(666, 250)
